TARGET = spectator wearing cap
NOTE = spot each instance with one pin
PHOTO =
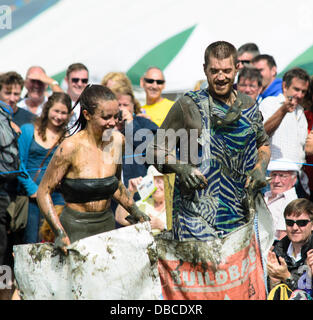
(283, 174)
(154, 206)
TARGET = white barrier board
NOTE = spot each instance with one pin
(116, 265)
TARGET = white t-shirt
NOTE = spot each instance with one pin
(22, 104)
(288, 140)
(277, 207)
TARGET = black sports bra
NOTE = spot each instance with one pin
(86, 190)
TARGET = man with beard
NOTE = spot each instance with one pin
(156, 106)
(213, 190)
(36, 83)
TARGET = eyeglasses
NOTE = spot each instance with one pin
(251, 86)
(159, 81)
(243, 61)
(280, 176)
(299, 223)
(83, 80)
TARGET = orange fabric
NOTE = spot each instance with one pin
(239, 278)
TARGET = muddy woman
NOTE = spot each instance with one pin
(86, 168)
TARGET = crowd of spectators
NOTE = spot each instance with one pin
(46, 115)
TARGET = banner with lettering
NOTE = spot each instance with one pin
(221, 269)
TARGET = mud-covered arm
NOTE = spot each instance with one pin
(183, 117)
(125, 199)
(56, 170)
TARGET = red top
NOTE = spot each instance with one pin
(309, 159)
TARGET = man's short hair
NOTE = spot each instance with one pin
(220, 50)
(295, 73)
(250, 74)
(269, 59)
(75, 67)
(11, 78)
(299, 206)
(249, 47)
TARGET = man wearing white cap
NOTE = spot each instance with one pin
(283, 173)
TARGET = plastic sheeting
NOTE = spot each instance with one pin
(117, 265)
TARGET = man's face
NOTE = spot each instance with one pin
(77, 81)
(268, 74)
(244, 60)
(35, 88)
(297, 90)
(153, 90)
(282, 181)
(298, 234)
(10, 94)
(221, 75)
(249, 87)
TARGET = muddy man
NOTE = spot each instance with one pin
(214, 181)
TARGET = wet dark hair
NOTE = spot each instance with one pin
(42, 121)
(89, 99)
(220, 50)
(299, 206)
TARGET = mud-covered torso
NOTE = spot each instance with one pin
(227, 152)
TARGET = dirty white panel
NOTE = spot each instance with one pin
(120, 264)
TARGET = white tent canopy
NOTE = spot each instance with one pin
(114, 35)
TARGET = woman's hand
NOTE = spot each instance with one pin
(61, 242)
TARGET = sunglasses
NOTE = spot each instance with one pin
(243, 61)
(83, 80)
(299, 223)
(152, 80)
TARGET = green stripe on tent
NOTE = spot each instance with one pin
(304, 61)
(59, 76)
(160, 56)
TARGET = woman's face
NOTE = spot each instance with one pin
(125, 102)
(58, 114)
(105, 116)
(159, 184)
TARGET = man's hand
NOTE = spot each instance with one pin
(191, 178)
(256, 180)
(290, 104)
(309, 260)
(275, 269)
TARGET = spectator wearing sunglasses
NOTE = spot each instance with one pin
(291, 260)
(283, 174)
(246, 53)
(36, 83)
(77, 77)
(156, 106)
